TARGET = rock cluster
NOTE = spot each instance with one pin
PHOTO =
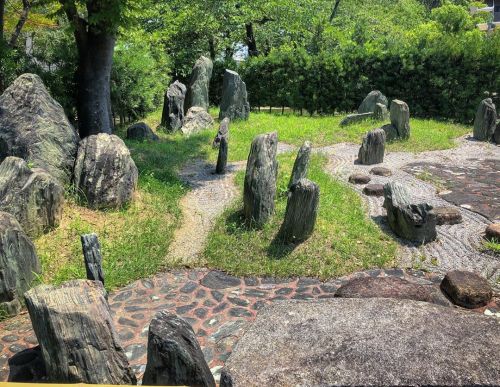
(172, 117)
(234, 104)
(197, 91)
(372, 148)
(371, 100)
(485, 120)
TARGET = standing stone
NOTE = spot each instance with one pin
(33, 126)
(485, 121)
(105, 174)
(18, 264)
(141, 132)
(234, 104)
(223, 132)
(197, 92)
(380, 112)
(414, 222)
(92, 256)
(174, 355)
(371, 100)
(259, 187)
(33, 196)
(197, 119)
(222, 158)
(373, 148)
(173, 107)
(301, 212)
(301, 165)
(467, 289)
(400, 119)
(74, 327)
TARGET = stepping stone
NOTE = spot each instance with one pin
(220, 280)
(360, 342)
(447, 215)
(493, 232)
(374, 190)
(359, 178)
(381, 171)
(467, 289)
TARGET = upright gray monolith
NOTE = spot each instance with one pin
(222, 132)
(74, 327)
(374, 97)
(400, 118)
(174, 355)
(259, 187)
(197, 91)
(222, 157)
(92, 256)
(234, 104)
(372, 148)
(485, 121)
(301, 164)
(173, 107)
(301, 212)
(380, 112)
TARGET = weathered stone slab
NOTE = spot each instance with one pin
(74, 327)
(380, 112)
(381, 171)
(372, 148)
(447, 215)
(197, 91)
(222, 157)
(234, 103)
(371, 100)
(197, 119)
(172, 117)
(467, 289)
(361, 342)
(374, 190)
(359, 178)
(355, 118)
(485, 120)
(222, 132)
(34, 127)
(141, 132)
(301, 164)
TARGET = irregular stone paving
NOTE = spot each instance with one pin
(217, 306)
(458, 246)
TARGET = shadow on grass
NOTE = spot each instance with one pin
(279, 249)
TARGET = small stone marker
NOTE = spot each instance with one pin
(485, 120)
(92, 256)
(359, 178)
(467, 289)
(222, 158)
(381, 171)
(447, 215)
(371, 100)
(408, 220)
(141, 132)
(493, 232)
(234, 103)
(380, 112)
(301, 164)
(174, 355)
(301, 212)
(259, 187)
(222, 132)
(197, 91)
(74, 327)
(373, 148)
(374, 190)
(172, 117)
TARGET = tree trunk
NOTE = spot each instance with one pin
(2, 43)
(2, 15)
(20, 23)
(211, 47)
(251, 43)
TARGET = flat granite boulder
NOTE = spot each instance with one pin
(361, 342)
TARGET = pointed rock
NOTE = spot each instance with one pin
(172, 117)
(197, 91)
(234, 104)
(371, 100)
(485, 121)
(301, 164)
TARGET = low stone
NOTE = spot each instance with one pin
(196, 120)
(359, 178)
(467, 289)
(234, 103)
(197, 91)
(355, 118)
(301, 164)
(174, 355)
(492, 232)
(361, 342)
(219, 280)
(32, 195)
(172, 117)
(223, 132)
(374, 190)
(485, 120)
(381, 171)
(105, 174)
(141, 132)
(380, 112)
(447, 215)
(371, 100)
(372, 148)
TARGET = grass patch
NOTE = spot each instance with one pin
(493, 246)
(344, 240)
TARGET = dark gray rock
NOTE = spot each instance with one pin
(371, 100)
(172, 117)
(365, 342)
(359, 178)
(141, 132)
(485, 120)
(74, 327)
(380, 112)
(412, 221)
(174, 355)
(197, 91)
(355, 118)
(301, 164)
(234, 104)
(301, 212)
(222, 157)
(374, 190)
(372, 148)
(105, 174)
(219, 280)
(259, 187)
(447, 215)
(381, 171)
(400, 121)
(197, 119)
(33, 196)
(92, 256)
(222, 132)
(467, 289)
(496, 135)
(33, 126)
(18, 264)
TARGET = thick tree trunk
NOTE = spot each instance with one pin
(251, 43)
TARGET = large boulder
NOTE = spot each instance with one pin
(373, 98)
(33, 196)
(365, 342)
(372, 148)
(259, 188)
(105, 174)
(174, 355)
(412, 221)
(141, 132)
(197, 119)
(399, 129)
(485, 121)
(173, 107)
(18, 264)
(33, 126)
(234, 104)
(197, 91)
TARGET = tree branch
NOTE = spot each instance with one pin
(20, 23)
(79, 24)
(334, 10)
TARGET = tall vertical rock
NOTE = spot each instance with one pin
(374, 97)
(373, 148)
(18, 264)
(259, 187)
(485, 121)
(34, 127)
(197, 91)
(301, 164)
(234, 104)
(222, 157)
(172, 117)
(399, 129)
(380, 112)
(223, 132)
